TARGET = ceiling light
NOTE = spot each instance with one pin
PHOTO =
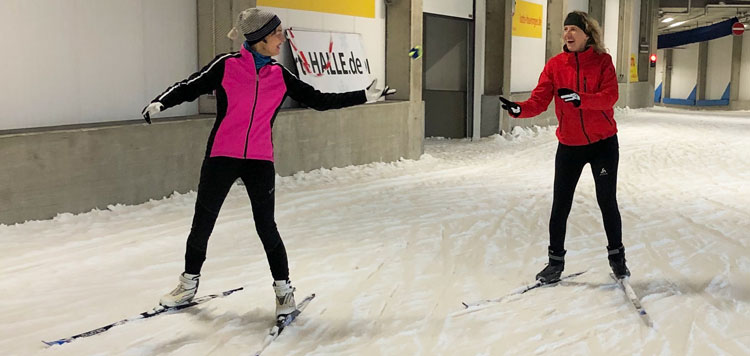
(677, 24)
(668, 20)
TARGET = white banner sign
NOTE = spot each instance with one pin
(329, 61)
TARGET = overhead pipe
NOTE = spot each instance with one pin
(689, 7)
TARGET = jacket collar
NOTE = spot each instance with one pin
(586, 54)
(248, 59)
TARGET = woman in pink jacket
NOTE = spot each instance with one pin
(249, 87)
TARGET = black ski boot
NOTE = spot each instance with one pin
(617, 262)
(551, 273)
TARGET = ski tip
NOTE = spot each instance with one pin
(52, 343)
(466, 306)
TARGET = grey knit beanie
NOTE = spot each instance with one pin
(255, 24)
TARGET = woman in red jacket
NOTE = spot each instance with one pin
(583, 83)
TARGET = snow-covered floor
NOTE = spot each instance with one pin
(392, 249)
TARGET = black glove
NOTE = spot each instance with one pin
(512, 108)
(569, 96)
(152, 109)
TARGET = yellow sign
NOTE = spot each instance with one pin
(633, 69)
(527, 20)
(361, 8)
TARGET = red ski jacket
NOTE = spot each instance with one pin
(592, 76)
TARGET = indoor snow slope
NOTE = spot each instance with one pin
(393, 249)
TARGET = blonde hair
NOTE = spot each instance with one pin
(594, 31)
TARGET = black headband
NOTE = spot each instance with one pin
(575, 19)
(264, 31)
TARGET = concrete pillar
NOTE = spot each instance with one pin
(596, 10)
(505, 19)
(480, 35)
(734, 89)
(494, 50)
(652, 35)
(623, 45)
(403, 32)
(497, 33)
(666, 88)
(700, 93)
(215, 20)
(556, 12)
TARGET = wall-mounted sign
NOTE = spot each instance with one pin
(528, 19)
(361, 8)
(633, 69)
(330, 61)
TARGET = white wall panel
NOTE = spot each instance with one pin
(611, 25)
(527, 57)
(684, 71)
(455, 8)
(719, 68)
(660, 65)
(87, 61)
(745, 69)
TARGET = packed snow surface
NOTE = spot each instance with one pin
(392, 249)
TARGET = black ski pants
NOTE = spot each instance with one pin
(217, 176)
(603, 156)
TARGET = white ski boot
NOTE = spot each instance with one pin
(284, 298)
(183, 293)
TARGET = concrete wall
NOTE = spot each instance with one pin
(74, 170)
(383, 132)
(78, 168)
(636, 95)
(46, 172)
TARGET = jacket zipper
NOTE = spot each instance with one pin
(607, 117)
(578, 87)
(252, 115)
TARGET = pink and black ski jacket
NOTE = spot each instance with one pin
(247, 102)
(592, 76)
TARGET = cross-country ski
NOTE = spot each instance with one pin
(633, 298)
(519, 290)
(283, 322)
(145, 315)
